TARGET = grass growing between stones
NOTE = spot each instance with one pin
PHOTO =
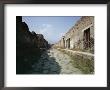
(86, 65)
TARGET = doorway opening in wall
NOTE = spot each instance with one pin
(87, 38)
(68, 43)
(63, 43)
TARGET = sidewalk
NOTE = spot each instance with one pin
(78, 52)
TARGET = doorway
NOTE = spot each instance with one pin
(68, 43)
(87, 38)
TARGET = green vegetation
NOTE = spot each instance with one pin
(86, 65)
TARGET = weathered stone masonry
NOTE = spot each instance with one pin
(80, 36)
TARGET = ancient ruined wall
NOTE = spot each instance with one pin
(25, 36)
(78, 36)
(29, 47)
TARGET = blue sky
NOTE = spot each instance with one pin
(52, 27)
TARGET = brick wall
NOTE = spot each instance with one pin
(80, 36)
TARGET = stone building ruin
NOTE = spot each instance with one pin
(80, 36)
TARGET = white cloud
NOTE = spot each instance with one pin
(49, 32)
(46, 30)
(47, 25)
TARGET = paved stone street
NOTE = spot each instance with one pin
(54, 62)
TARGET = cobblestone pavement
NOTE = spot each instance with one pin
(55, 62)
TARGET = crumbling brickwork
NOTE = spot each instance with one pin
(80, 36)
